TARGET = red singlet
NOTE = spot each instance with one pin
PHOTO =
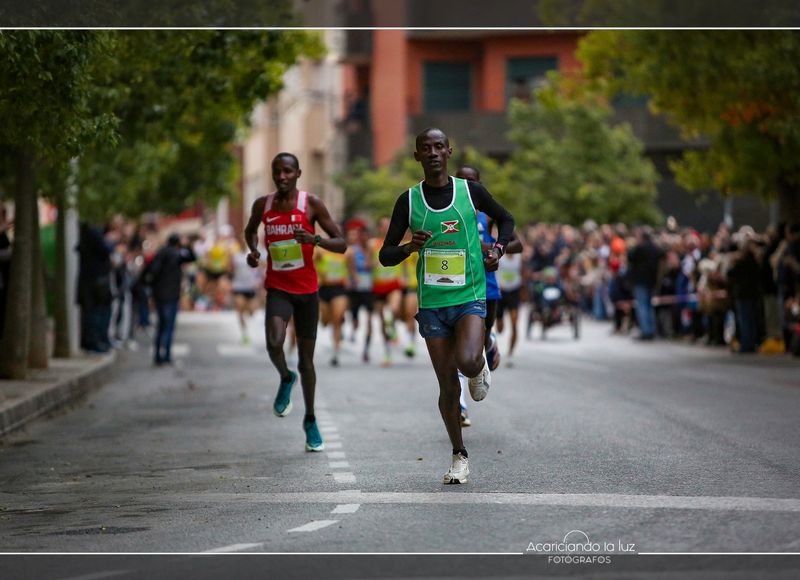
(290, 265)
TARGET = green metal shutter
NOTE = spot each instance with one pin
(447, 86)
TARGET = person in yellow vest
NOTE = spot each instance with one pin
(333, 285)
(218, 266)
(387, 289)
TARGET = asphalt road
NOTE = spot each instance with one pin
(634, 447)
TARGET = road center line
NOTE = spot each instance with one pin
(338, 464)
(336, 455)
(608, 500)
(314, 526)
(234, 548)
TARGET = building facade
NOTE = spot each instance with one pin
(398, 82)
(303, 119)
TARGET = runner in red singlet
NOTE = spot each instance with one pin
(289, 217)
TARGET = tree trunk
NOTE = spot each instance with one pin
(789, 205)
(61, 305)
(38, 351)
(16, 338)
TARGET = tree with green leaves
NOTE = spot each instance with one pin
(150, 115)
(45, 103)
(738, 88)
(570, 164)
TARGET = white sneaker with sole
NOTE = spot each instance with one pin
(479, 385)
(459, 470)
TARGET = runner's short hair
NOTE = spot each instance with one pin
(423, 133)
(291, 156)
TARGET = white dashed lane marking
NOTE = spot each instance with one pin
(235, 548)
(344, 477)
(333, 445)
(339, 464)
(314, 526)
(336, 455)
(346, 508)
(235, 350)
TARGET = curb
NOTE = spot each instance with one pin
(23, 401)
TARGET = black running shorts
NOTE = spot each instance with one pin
(304, 308)
(328, 293)
(509, 301)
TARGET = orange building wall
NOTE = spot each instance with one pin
(388, 110)
(397, 75)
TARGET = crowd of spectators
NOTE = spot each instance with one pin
(739, 289)
(736, 288)
(130, 271)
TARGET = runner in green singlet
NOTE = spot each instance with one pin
(441, 213)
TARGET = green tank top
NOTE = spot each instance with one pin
(450, 268)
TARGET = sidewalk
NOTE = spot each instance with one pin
(66, 381)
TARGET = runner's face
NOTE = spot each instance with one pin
(433, 152)
(285, 174)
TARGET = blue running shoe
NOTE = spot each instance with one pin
(313, 437)
(283, 400)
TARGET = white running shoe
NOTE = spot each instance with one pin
(479, 385)
(459, 470)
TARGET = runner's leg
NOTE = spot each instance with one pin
(444, 364)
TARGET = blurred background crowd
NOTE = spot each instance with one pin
(733, 288)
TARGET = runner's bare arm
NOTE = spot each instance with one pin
(320, 214)
(251, 231)
(515, 245)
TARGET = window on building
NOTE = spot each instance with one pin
(447, 86)
(524, 75)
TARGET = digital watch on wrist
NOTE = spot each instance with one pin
(501, 249)
(317, 239)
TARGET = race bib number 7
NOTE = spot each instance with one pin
(445, 267)
(286, 255)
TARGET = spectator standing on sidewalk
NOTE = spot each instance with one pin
(5, 264)
(745, 279)
(646, 262)
(164, 276)
(94, 287)
(773, 339)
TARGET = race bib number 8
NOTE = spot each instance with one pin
(445, 267)
(286, 255)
